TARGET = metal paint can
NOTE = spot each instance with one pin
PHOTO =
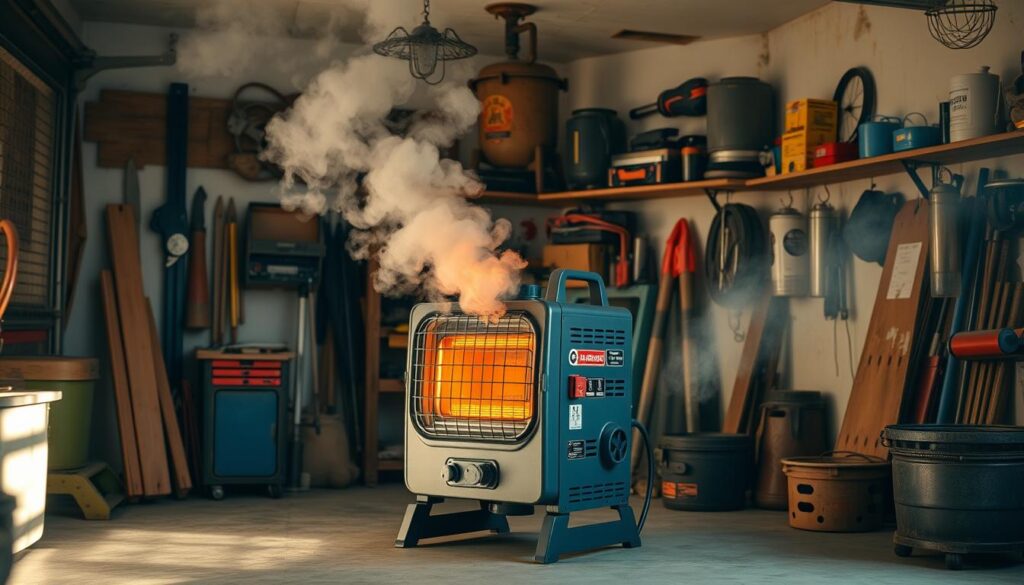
(943, 223)
(973, 104)
(875, 137)
(822, 224)
(790, 254)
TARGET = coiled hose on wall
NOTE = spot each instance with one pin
(736, 255)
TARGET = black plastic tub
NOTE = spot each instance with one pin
(958, 489)
(705, 471)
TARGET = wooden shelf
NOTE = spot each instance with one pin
(996, 145)
(641, 192)
(985, 147)
(391, 386)
(509, 198)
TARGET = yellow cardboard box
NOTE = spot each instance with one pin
(800, 142)
(811, 114)
(797, 163)
(798, 148)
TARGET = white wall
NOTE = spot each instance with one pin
(270, 314)
(804, 58)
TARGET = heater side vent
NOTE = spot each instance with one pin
(597, 336)
(615, 388)
(598, 492)
(590, 448)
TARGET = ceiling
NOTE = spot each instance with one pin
(569, 29)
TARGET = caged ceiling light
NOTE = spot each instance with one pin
(424, 47)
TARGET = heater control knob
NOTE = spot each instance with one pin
(452, 473)
(472, 473)
(483, 474)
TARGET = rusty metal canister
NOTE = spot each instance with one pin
(791, 424)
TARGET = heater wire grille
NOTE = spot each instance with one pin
(474, 380)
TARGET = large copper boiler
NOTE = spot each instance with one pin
(519, 98)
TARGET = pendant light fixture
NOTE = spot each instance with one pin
(424, 47)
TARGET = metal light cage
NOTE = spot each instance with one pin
(961, 24)
(474, 380)
(424, 47)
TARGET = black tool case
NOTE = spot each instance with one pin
(646, 167)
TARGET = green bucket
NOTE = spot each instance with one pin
(70, 425)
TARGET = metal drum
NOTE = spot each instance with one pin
(792, 424)
(957, 489)
(740, 126)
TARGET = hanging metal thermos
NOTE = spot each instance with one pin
(790, 267)
(944, 223)
(822, 225)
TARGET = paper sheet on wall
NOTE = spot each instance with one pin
(901, 283)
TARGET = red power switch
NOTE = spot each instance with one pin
(577, 386)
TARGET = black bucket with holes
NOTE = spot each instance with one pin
(705, 471)
(957, 488)
(839, 492)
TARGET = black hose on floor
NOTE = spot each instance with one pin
(650, 474)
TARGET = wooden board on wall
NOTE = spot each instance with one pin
(138, 349)
(129, 124)
(881, 380)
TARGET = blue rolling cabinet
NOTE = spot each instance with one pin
(245, 404)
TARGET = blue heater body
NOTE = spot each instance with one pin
(531, 409)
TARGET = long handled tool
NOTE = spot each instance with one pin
(171, 222)
(670, 272)
(686, 265)
(197, 314)
(217, 331)
(231, 265)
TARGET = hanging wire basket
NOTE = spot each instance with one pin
(961, 24)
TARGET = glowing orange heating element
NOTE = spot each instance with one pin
(486, 377)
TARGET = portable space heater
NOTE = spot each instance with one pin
(534, 409)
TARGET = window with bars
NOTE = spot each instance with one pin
(28, 113)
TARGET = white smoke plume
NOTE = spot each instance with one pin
(340, 151)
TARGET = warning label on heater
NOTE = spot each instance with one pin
(575, 417)
(587, 357)
(577, 450)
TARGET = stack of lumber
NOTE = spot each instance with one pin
(154, 455)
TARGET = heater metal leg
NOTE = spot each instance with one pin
(557, 539)
(419, 524)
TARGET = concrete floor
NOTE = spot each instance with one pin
(347, 536)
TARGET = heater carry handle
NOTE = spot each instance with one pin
(556, 286)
